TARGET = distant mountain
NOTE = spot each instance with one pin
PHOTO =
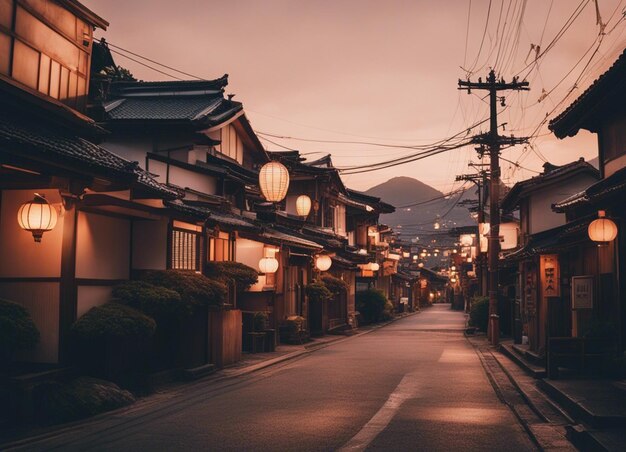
(418, 205)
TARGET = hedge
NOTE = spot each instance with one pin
(17, 330)
(479, 313)
(242, 275)
(113, 320)
(373, 305)
(317, 291)
(335, 285)
(155, 301)
(194, 288)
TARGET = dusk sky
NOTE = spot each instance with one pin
(383, 72)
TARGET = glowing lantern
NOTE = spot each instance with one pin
(420, 265)
(374, 266)
(452, 280)
(406, 254)
(436, 225)
(466, 240)
(37, 216)
(415, 257)
(323, 262)
(453, 268)
(274, 181)
(303, 205)
(268, 265)
(602, 230)
(508, 236)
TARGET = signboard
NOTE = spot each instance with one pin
(550, 279)
(582, 292)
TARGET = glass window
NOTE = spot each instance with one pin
(185, 250)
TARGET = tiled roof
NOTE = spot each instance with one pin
(74, 150)
(188, 101)
(602, 89)
(550, 174)
(552, 240)
(214, 217)
(282, 237)
(615, 184)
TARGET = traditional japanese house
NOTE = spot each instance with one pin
(598, 284)
(89, 198)
(542, 296)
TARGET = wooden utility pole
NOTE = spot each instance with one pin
(493, 141)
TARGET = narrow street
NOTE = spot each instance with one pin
(416, 384)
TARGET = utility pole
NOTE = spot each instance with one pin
(493, 141)
(480, 180)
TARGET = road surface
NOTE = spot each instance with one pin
(416, 384)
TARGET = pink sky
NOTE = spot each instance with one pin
(364, 70)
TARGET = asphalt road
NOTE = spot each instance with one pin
(416, 384)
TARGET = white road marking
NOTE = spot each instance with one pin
(406, 389)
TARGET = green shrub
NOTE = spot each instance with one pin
(373, 305)
(317, 291)
(113, 320)
(292, 330)
(479, 313)
(156, 301)
(335, 285)
(260, 321)
(17, 330)
(193, 288)
(82, 397)
(242, 275)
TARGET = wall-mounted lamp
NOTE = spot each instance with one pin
(37, 216)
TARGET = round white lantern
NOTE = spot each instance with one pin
(374, 266)
(37, 216)
(268, 265)
(602, 230)
(274, 181)
(420, 265)
(303, 205)
(323, 262)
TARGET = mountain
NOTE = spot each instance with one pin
(418, 205)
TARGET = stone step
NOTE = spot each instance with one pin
(198, 372)
(530, 368)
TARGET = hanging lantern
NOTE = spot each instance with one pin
(274, 181)
(374, 266)
(406, 254)
(420, 265)
(453, 268)
(415, 257)
(303, 205)
(437, 225)
(37, 216)
(323, 262)
(452, 280)
(268, 265)
(602, 230)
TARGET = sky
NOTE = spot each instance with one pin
(377, 75)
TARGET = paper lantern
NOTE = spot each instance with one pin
(420, 265)
(374, 266)
(406, 254)
(602, 230)
(268, 265)
(274, 181)
(37, 216)
(323, 262)
(303, 205)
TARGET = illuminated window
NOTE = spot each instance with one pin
(185, 250)
(221, 248)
